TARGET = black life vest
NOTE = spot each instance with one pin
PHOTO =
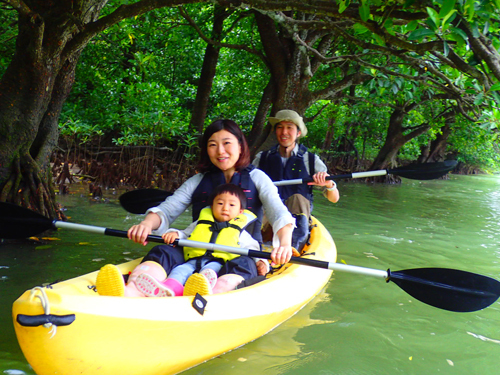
(212, 179)
(271, 163)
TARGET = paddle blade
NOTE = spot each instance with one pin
(140, 200)
(19, 222)
(448, 289)
(426, 171)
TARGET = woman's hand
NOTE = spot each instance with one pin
(140, 232)
(281, 255)
(170, 237)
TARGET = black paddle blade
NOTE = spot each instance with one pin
(425, 171)
(448, 289)
(140, 200)
(19, 222)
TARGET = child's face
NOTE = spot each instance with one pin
(226, 207)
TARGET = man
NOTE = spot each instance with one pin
(290, 160)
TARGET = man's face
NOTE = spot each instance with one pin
(287, 133)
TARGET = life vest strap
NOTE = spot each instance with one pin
(216, 227)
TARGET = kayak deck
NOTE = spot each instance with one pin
(119, 335)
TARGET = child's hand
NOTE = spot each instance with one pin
(170, 237)
(262, 267)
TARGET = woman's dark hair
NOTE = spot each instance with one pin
(205, 165)
(230, 189)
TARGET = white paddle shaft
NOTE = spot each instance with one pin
(230, 249)
(298, 181)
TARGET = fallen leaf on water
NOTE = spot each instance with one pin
(51, 239)
(450, 362)
(242, 359)
(410, 358)
(43, 247)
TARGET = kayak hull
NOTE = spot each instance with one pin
(118, 335)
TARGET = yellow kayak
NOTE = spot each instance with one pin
(68, 328)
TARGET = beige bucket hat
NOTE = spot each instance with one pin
(292, 116)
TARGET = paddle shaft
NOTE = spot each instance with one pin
(261, 254)
(234, 250)
(304, 261)
(297, 181)
(448, 289)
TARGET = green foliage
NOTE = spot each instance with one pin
(8, 34)
(475, 146)
(132, 85)
(137, 81)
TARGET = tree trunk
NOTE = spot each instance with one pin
(291, 70)
(329, 134)
(288, 84)
(33, 90)
(436, 150)
(260, 132)
(208, 71)
(396, 138)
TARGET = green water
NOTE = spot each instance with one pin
(359, 325)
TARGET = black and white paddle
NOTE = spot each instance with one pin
(140, 200)
(444, 288)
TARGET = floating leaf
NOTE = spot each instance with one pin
(43, 247)
(51, 239)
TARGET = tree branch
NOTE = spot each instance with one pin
(121, 13)
(20, 6)
(215, 42)
(331, 91)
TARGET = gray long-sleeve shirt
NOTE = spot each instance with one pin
(276, 212)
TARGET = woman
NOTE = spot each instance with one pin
(224, 158)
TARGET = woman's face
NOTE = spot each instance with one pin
(223, 150)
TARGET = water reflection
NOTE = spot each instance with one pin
(279, 353)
